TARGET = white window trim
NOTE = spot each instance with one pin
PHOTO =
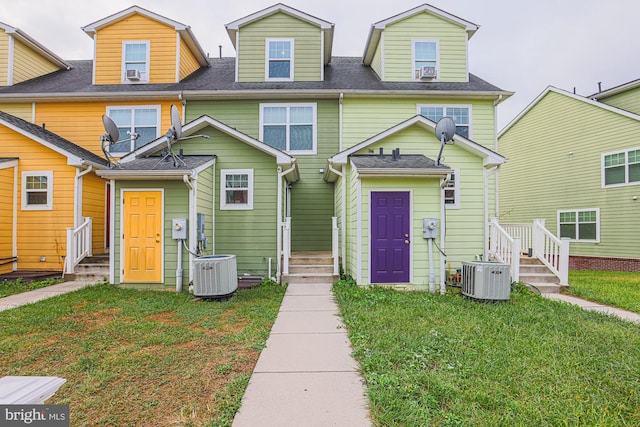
(313, 106)
(144, 78)
(266, 61)
(456, 191)
(597, 211)
(223, 190)
(626, 182)
(158, 109)
(445, 106)
(49, 205)
(413, 59)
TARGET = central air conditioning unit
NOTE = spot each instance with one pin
(133, 75)
(486, 280)
(427, 72)
(215, 276)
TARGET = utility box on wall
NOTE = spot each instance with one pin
(179, 229)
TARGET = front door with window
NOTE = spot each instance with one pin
(142, 236)
(390, 237)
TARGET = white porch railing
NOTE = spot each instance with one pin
(546, 247)
(286, 244)
(334, 245)
(78, 244)
(504, 248)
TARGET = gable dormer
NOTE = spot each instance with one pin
(281, 44)
(423, 44)
(136, 46)
(23, 58)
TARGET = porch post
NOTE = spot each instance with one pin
(564, 261)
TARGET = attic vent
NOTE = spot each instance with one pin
(427, 72)
(133, 75)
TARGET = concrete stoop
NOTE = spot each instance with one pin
(534, 273)
(310, 267)
(91, 269)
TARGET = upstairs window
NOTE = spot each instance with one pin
(131, 121)
(289, 127)
(237, 192)
(580, 225)
(425, 60)
(621, 168)
(452, 191)
(37, 190)
(460, 115)
(135, 61)
(279, 65)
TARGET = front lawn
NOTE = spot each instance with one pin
(135, 358)
(12, 287)
(615, 288)
(450, 361)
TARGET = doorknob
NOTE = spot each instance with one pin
(406, 235)
(407, 241)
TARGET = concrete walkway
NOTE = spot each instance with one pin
(17, 300)
(594, 306)
(305, 376)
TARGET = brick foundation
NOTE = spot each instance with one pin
(603, 263)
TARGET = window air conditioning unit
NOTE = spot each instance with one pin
(427, 72)
(485, 280)
(215, 276)
(133, 75)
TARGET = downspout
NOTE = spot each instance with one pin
(281, 175)
(179, 272)
(495, 148)
(443, 234)
(77, 200)
(487, 173)
(343, 229)
(340, 121)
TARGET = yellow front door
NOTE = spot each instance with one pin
(142, 234)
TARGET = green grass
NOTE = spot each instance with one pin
(18, 286)
(142, 357)
(449, 361)
(618, 289)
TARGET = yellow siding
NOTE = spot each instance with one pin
(376, 61)
(24, 111)
(307, 47)
(94, 206)
(29, 64)
(398, 47)
(6, 218)
(41, 232)
(188, 62)
(162, 48)
(4, 57)
(81, 122)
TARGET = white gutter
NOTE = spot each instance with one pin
(486, 174)
(359, 229)
(77, 199)
(112, 231)
(192, 199)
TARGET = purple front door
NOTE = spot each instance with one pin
(390, 237)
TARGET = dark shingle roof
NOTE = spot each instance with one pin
(343, 74)
(403, 161)
(155, 163)
(53, 139)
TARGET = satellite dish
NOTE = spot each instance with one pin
(445, 128)
(112, 133)
(175, 122)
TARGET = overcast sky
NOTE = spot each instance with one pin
(521, 46)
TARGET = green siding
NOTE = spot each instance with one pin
(205, 204)
(308, 54)
(628, 100)
(542, 176)
(398, 47)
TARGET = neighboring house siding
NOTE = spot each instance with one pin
(188, 62)
(6, 219)
(628, 100)
(4, 58)
(81, 122)
(307, 47)
(452, 46)
(376, 61)
(93, 205)
(29, 64)
(23, 111)
(162, 54)
(367, 117)
(555, 163)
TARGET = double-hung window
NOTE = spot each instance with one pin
(137, 126)
(135, 61)
(289, 127)
(237, 189)
(425, 59)
(37, 190)
(621, 168)
(279, 64)
(461, 115)
(452, 191)
(580, 224)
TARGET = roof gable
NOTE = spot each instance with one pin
(578, 98)
(490, 158)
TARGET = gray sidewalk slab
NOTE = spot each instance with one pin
(36, 295)
(593, 306)
(314, 322)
